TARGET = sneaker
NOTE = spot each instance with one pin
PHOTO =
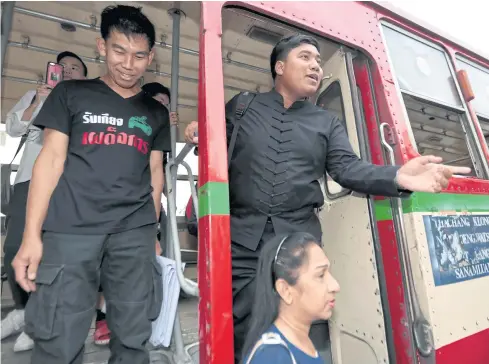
(101, 336)
(23, 343)
(13, 323)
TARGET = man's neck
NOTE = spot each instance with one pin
(289, 98)
(123, 92)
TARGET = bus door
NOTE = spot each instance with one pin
(358, 326)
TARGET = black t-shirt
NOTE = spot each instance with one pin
(106, 183)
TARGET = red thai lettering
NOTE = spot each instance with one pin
(111, 129)
(95, 138)
(141, 145)
(122, 138)
(109, 139)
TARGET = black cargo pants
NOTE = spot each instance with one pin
(60, 311)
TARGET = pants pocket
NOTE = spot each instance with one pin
(40, 312)
(155, 299)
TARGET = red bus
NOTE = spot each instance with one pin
(406, 295)
(414, 273)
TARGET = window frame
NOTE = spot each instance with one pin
(473, 144)
(344, 191)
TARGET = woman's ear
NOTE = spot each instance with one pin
(284, 291)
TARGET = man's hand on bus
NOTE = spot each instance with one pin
(191, 133)
(26, 262)
(426, 174)
(173, 118)
(158, 248)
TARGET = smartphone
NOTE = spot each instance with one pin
(54, 74)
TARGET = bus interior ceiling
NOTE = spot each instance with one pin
(247, 42)
(32, 27)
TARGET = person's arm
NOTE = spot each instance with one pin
(347, 169)
(157, 179)
(18, 119)
(55, 119)
(192, 128)
(161, 144)
(27, 114)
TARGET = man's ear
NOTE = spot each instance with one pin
(101, 46)
(151, 56)
(279, 68)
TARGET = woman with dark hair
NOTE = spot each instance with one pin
(296, 288)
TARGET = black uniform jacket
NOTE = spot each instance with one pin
(279, 156)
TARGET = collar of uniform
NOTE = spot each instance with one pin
(278, 98)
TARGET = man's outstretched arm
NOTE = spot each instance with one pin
(422, 174)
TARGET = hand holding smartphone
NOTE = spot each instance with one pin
(54, 74)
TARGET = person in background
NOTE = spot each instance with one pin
(158, 92)
(296, 288)
(161, 94)
(19, 122)
(94, 203)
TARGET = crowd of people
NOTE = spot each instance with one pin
(87, 200)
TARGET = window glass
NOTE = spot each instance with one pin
(479, 80)
(420, 68)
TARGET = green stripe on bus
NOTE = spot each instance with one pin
(435, 202)
(214, 199)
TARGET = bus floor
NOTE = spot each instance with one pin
(100, 354)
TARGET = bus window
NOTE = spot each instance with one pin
(479, 80)
(433, 104)
(183, 185)
(332, 101)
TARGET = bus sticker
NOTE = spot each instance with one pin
(459, 247)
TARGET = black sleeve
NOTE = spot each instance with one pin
(344, 166)
(162, 140)
(55, 113)
(230, 110)
(192, 223)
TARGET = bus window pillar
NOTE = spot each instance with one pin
(7, 16)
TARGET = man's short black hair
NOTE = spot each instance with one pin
(155, 88)
(71, 54)
(128, 20)
(285, 45)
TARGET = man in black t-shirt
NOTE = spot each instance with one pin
(94, 201)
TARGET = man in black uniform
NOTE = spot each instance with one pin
(94, 201)
(285, 144)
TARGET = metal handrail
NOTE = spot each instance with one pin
(187, 285)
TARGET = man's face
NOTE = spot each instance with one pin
(127, 57)
(73, 68)
(162, 98)
(301, 73)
